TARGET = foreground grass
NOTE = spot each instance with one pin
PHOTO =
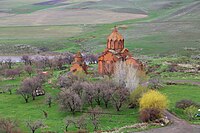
(176, 93)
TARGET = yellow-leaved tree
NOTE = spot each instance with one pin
(153, 100)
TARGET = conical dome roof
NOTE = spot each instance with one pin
(115, 35)
(78, 55)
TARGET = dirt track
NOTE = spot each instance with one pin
(178, 126)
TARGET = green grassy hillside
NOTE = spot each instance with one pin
(168, 29)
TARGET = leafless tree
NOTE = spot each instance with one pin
(48, 100)
(77, 87)
(97, 92)
(68, 57)
(107, 91)
(81, 122)
(94, 115)
(28, 88)
(126, 75)
(28, 69)
(89, 92)
(59, 61)
(26, 59)
(34, 125)
(68, 122)
(11, 73)
(119, 96)
(8, 88)
(39, 63)
(69, 100)
(7, 125)
(66, 80)
(9, 63)
(25, 91)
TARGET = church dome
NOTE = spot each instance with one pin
(115, 36)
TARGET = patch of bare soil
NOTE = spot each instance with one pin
(178, 126)
(72, 16)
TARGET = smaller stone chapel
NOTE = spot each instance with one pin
(115, 51)
(78, 65)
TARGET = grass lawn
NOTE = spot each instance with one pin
(176, 93)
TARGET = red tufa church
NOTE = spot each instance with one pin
(114, 52)
(79, 65)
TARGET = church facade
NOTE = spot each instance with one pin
(115, 51)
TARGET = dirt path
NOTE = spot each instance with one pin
(178, 126)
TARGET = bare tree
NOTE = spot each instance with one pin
(25, 91)
(9, 63)
(97, 92)
(48, 100)
(89, 92)
(29, 86)
(94, 114)
(28, 69)
(8, 88)
(26, 59)
(34, 125)
(7, 125)
(77, 87)
(69, 100)
(11, 73)
(66, 80)
(68, 122)
(119, 96)
(80, 123)
(126, 75)
(107, 91)
(68, 57)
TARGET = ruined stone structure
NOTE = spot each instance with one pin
(78, 65)
(114, 52)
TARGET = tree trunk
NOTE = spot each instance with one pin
(26, 99)
(106, 104)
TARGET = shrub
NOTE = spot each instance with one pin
(136, 95)
(147, 115)
(183, 104)
(153, 99)
(191, 111)
(7, 125)
(155, 83)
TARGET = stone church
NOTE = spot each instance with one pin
(78, 65)
(115, 51)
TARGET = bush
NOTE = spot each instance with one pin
(183, 104)
(155, 83)
(136, 95)
(147, 115)
(190, 112)
(153, 99)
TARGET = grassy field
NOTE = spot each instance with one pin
(179, 92)
(14, 107)
(70, 25)
(168, 29)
